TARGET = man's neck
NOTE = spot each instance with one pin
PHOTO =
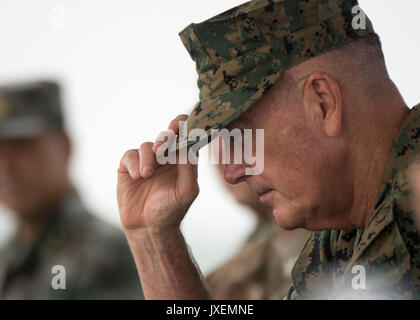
(371, 159)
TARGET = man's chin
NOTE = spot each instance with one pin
(286, 219)
(18, 209)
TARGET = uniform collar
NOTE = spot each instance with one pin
(403, 151)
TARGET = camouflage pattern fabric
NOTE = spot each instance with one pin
(388, 248)
(96, 257)
(241, 53)
(261, 270)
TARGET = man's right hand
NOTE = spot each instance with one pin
(152, 200)
(153, 196)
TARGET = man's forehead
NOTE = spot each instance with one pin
(253, 117)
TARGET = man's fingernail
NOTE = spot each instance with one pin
(136, 175)
(147, 170)
(160, 137)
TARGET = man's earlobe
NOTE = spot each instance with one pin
(322, 95)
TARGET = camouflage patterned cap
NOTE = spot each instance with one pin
(28, 109)
(241, 53)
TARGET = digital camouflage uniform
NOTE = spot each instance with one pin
(388, 248)
(239, 56)
(262, 267)
(96, 257)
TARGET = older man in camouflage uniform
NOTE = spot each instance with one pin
(338, 141)
(60, 250)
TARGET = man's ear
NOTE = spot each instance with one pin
(66, 144)
(322, 100)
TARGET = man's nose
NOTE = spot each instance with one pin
(234, 173)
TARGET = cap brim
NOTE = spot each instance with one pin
(218, 112)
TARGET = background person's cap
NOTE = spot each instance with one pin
(29, 109)
(241, 53)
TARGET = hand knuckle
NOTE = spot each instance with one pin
(144, 145)
(127, 155)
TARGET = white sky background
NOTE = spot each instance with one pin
(126, 74)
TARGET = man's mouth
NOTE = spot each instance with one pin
(266, 198)
(264, 192)
(258, 189)
(261, 191)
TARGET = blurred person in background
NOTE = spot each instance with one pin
(53, 226)
(262, 267)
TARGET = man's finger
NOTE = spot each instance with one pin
(187, 181)
(130, 164)
(162, 138)
(174, 124)
(148, 162)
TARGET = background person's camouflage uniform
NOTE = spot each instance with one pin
(261, 270)
(96, 258)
